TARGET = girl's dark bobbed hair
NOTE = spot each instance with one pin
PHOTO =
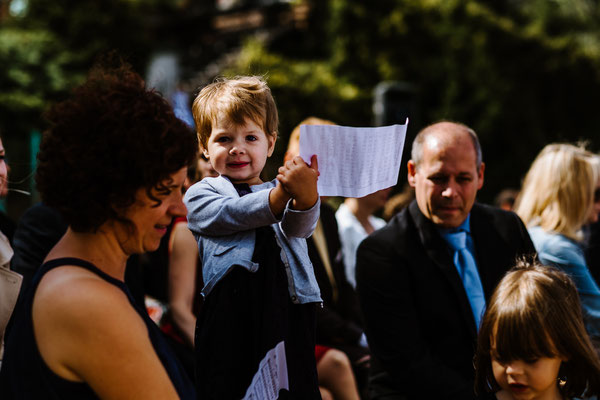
(535, 312)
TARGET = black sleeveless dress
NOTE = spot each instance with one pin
(25, 375)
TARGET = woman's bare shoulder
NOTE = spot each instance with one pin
(76, 314)
(88, 331)
(70, 289)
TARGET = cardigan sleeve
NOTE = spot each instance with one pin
(211, 213)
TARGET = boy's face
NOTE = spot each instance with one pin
(239, 152)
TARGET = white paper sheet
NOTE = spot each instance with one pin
(271, 377)
(354, 162)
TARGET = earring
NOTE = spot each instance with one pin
(562, 381)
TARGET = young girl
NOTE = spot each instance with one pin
(532, 342)
(259, 284)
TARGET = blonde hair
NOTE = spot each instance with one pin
(293, 148)
(535, 312)
(234, 100)
(558, 189)
(595, 161)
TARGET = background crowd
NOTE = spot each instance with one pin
(128, 292)
(152, 270)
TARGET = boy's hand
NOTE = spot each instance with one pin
(300, 181)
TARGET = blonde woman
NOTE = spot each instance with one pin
(556, 200)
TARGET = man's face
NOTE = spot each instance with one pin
(447, 180)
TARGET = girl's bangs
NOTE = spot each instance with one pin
(521, 335)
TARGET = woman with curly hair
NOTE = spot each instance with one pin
(113, 163)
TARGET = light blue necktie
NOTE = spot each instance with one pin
(467, 270)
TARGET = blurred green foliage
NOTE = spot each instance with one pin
(521, 73)
(49, 49)
(34, 69)
(45, 50)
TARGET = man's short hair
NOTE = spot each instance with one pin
(417, 146)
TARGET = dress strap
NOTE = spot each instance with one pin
(78, 262)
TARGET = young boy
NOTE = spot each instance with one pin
(260, 288)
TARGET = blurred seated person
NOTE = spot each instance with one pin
(10, 281)
(591, 233)
(356, 221)
(7, 225)
(185, 278)
(336, 379)
(339, 321)
(112, 162)
(38, 230)
(506, 199)
(204, 169)
(398, 202)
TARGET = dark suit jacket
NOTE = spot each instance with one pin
(339, 323)
(419, 323)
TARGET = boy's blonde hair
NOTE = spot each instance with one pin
(558, 189)
(233, 100)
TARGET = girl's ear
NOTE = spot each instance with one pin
(205, 152)
(272, 138)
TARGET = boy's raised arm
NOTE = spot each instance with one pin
(212, 213)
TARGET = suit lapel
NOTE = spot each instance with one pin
(438, 252)
(485, 241)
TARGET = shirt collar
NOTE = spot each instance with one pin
(465, 226)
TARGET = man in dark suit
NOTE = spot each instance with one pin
(421, 299)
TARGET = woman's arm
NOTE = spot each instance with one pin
(87, 330)
(183, 267)
(567, 256)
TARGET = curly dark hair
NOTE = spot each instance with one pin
(109, 139)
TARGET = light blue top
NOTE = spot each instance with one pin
(224, 224)
(352, 233)
(468, 272)
(567, 255)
